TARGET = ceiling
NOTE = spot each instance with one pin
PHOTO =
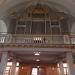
(7, 7)
(67, 6)
(45, 57)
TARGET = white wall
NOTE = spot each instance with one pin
(3, 30)
(73, 33)
(3, 27)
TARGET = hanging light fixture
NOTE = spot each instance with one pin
(37, 53)
(37, 59)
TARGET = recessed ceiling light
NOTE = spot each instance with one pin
(36, 53)
(37, 60)
(8, 59)
(22, 67)
(38, 66)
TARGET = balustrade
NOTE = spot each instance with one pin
(36, 39)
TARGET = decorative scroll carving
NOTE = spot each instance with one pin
(39, 10)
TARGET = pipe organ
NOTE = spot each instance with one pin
(40, 19)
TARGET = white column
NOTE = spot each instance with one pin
(69, 59)
(13, 68)
(61, 68)
(3, 63)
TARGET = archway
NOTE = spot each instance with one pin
(73, 33)
(3, 31)
(3, 28)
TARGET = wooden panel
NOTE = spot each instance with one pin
(51, 70)
(39, 9)
(42, 70)
(25, 70)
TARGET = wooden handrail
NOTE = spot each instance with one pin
(36, 39)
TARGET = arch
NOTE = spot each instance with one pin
(52, 5)
(73, 33)
(73, 29)
(3, 28)
(3, 31)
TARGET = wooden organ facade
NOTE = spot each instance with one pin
(39, 19)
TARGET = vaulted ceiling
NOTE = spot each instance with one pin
(67, 6)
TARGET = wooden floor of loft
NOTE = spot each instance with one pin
(22, 45)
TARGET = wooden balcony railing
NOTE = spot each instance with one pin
(37, 40)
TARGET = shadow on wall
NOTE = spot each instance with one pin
(73, 33)
(73, 29)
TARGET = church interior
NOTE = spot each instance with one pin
(37, 37)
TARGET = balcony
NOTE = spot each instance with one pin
(41, 41)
